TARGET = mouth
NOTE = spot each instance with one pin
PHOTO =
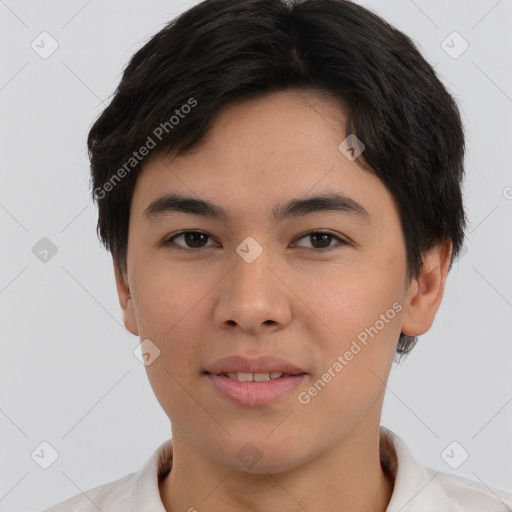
(250, 382)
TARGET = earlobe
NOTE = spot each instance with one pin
(426, 291)
(125, 301)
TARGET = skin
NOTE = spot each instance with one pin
(199, 302)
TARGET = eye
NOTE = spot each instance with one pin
(192, 239)
(322, 239)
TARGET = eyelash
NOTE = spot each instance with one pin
(169, 241)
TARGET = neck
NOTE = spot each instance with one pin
(347, 477)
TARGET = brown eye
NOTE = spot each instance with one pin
(192, 239)
(321, 240)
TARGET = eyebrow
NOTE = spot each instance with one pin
(331, 202)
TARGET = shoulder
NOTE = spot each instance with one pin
(115, 496)
(470, 496)
(419, 488)
(136, 491)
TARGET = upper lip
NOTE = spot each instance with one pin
(262, 364)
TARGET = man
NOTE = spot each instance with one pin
(279, 184)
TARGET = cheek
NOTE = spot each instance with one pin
(357, 359)
(170, 313)
(354, 299)
(166, 297)
(173, 326)
(362, 310)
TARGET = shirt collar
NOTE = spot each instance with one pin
(146, 493)
(415, 487)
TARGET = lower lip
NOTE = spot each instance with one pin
(255, 393)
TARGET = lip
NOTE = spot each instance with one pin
(262, 364)
(252, 394)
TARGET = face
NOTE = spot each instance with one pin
(331, 303)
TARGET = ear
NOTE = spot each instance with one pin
(125, 301)
(425, 293)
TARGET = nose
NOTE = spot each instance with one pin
(254, 297)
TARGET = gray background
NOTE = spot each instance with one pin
(68, 371)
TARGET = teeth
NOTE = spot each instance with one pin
(254, 377)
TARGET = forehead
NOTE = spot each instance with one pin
(259, 151)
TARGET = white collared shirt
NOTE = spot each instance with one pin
(417, 488)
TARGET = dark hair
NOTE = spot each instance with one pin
(223, 51)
